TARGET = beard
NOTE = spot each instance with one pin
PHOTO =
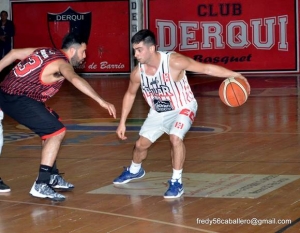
(75, 61)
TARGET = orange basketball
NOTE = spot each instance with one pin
(234, 92)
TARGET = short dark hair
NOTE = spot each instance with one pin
(72, 39)
(4, 12)
(144, 35)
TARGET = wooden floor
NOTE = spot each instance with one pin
(257, 144)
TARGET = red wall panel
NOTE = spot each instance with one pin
(45, 23)
(250, 36)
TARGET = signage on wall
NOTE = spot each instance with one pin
(258, 36)
(68, 21)
(104, 24)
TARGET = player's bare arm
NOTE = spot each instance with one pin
(68, 72)
(180, 62)
(128, 100)
(13, 55)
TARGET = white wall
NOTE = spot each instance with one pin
(5, 6)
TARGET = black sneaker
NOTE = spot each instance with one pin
(43, 190)
(3, 187)
(58, 182)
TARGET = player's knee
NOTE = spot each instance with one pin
(175, 140)
(61, 134)
(139, 146)
(142, 144)
(58, 135)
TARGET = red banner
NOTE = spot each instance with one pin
(105, 24)
(248, 36)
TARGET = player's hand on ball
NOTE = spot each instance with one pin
(245, 79)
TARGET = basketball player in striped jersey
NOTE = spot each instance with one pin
(162, 78)
(36, 78)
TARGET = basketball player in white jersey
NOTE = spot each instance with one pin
(163, 80)
(3, 187)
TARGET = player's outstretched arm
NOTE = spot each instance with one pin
(181, 62)
(13, 55)
(68, 72)
(128, 101)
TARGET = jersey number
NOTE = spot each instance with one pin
(33, 63)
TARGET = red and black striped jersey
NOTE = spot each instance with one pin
(25, 77)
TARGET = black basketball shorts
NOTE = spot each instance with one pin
(32, 114)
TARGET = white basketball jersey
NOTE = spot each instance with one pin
(161, 92)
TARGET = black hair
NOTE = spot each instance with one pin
(144, 35)
(72, 39)
(4, 12)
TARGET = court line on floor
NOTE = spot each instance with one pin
(288, 226)
(112, 214)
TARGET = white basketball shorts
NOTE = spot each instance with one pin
(176, 122)
(1, 130)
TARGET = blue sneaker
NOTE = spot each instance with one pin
(126, 176)
(175, 190)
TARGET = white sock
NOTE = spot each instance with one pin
(135, 167)
(177, 174)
